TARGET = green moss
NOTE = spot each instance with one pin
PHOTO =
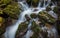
(22, 26)
(10, 7)
(5, 1)
(1, 11)
(46, 17)
(21, 29)
(12, 10)
(36, 29)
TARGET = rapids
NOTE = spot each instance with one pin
(11, 31)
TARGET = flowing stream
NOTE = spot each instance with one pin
(11, 31)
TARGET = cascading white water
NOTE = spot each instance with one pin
(11, 31)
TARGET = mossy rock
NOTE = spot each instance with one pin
(12, 10)
(22, 29)
(33, 15)
(4, 3)
(36, 29)
(46, 17)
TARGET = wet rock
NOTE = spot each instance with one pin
(45, 17)
(27, 17)
(22, 29)
(33, 15)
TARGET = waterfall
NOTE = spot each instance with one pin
(11, 31)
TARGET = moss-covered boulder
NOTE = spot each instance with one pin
(43, 15)
(22, 29)
(12, 10)
(36, 29)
